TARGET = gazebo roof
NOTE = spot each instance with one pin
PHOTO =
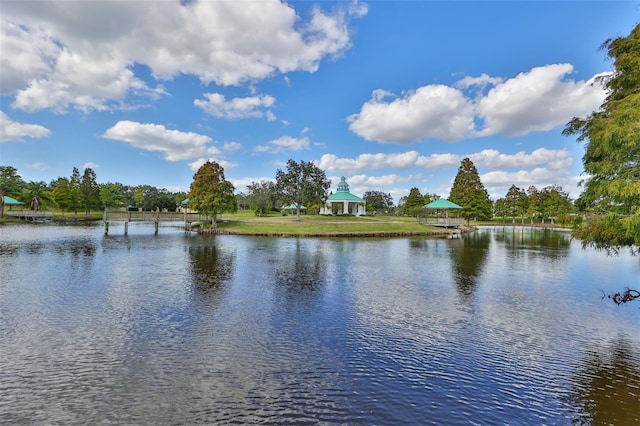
(343, 194)
(293, 206)
(442, 204)
(8, 200)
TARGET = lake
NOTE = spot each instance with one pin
(501, 326)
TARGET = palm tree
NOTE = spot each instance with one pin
(37, 193)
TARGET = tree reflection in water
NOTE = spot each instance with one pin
(469, 254)
(210, 269)
(607, 390)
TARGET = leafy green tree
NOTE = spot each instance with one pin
(414, 202)
(111, 194)
(469, 193)
(262, 196)
(75, 197)
(500, 208)
(303, 183)
(516, 202)
(210, 193)
(612, 152)
(378, 201)
(90, 191)
(62, 193)
(554, 202)
(11, 183)
(533, 208)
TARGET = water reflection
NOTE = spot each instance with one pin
(469, 256)
(517, 237)
(211, 268)
(607, 384)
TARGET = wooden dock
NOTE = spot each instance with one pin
(36, 215)
(110, 216)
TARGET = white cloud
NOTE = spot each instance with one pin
(368, 162)
(231, 146)
(498, 183)
(535, 101)
(242, 183)
(236, 108)
(482, 81)
(90, 165)
(74, 54)
(12, 131)
(38, 166)
(26, 55)
(434, 111)
(174, 144)
(284, 144)
(226, 165)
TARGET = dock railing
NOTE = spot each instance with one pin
(445, 222)
(150, 216)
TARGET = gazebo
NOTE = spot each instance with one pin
(8, 201)
(293, 207)
(442, 204)
(346, 201)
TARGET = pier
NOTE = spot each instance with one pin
(156, 217)
(35, 215)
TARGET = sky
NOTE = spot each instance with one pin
(389, 94)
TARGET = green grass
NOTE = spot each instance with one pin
(316, 225)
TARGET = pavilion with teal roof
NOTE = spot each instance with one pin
(346, 202)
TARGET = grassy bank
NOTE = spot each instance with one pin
(316, 225)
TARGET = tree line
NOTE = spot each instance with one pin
(82, 193)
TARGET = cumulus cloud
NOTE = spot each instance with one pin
(12, 131)
(434, 111)
(488, 158)
(82, 55)
(231, 146)
(174, 144)
(284, 144)
(534, 101)
(368, 162)
(226, 165)
(236, 108)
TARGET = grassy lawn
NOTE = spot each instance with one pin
(316, 225)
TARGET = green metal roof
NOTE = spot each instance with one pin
(9, 200)
(343, 194)
(441, 203)
(293, 206)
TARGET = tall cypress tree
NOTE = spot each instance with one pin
(90, 191)
(469, 193)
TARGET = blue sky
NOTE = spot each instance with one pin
(390, 94)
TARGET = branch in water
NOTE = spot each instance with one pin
(627, 296)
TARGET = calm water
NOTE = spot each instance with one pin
(502, 326)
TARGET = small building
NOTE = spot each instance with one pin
(346, 202)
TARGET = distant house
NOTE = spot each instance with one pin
(346, 202)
